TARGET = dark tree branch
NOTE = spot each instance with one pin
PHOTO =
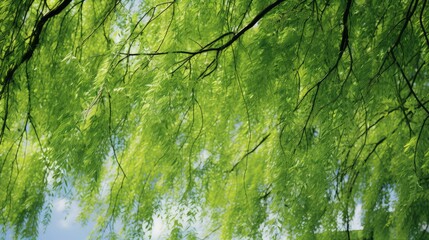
(418, 174)
(410, 12)
(425, 34)
(250, 152)
(34, 41)
(252, 23)
(235, 37)
(111, 136)
(345, 35)
(209, 47)
(344, 45)
(101, 23)
(409, 84)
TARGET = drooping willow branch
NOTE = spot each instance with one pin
(34, 42)
(250, 152)
(209, 47)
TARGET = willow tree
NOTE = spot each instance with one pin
(261, 116)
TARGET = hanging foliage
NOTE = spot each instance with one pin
(265, 118)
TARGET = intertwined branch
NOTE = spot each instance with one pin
(211, 46)
(33, 43)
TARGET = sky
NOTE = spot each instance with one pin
(64, 224)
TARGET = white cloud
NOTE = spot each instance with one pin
(67, 212)
(60, 205)
(356, 221)
(158, 228)
(64, 223)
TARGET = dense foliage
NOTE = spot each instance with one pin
(265, 117)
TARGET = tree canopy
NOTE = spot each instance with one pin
(261, 116)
